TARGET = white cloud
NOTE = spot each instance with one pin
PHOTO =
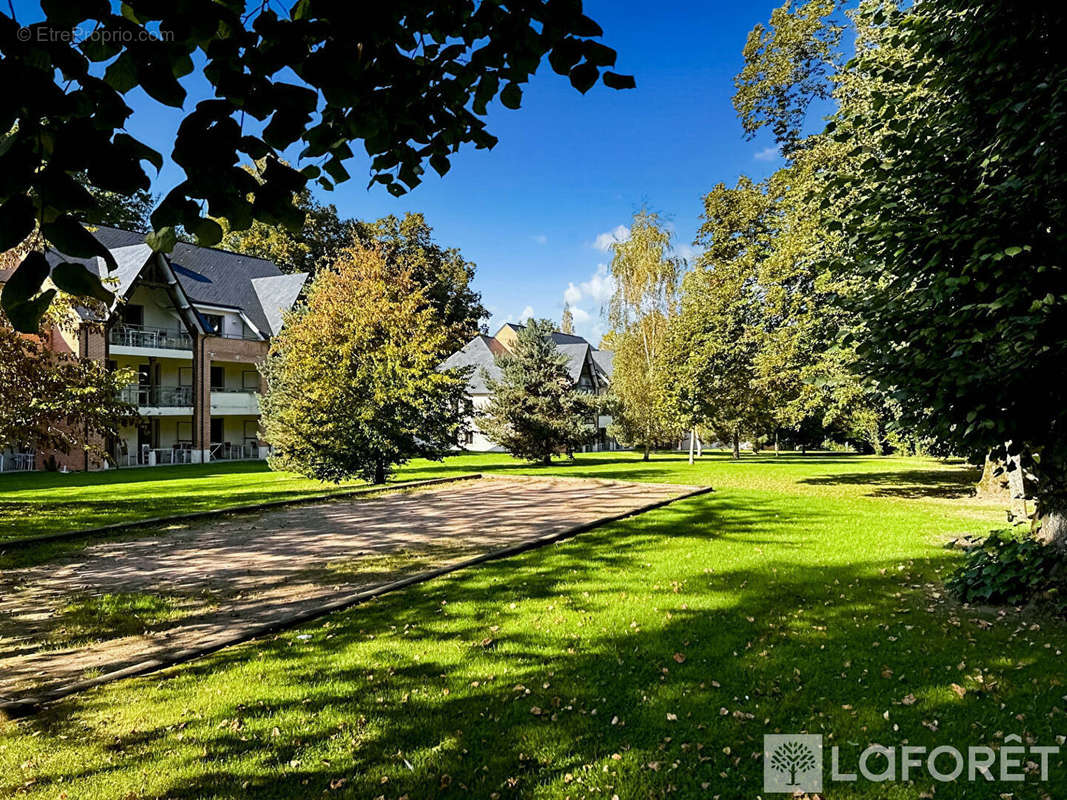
(688, 252)
(580, 315)
(540, 238)
(604, 241)
(600, 286)
(526, 313)
(766, 154)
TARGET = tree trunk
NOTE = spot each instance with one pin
(379, 471)
(700, 446)
(777, 449)
(1053, 531)
(803, 448)
(645, 457)
(692, 443)
(737, 443)
(546, 461)
(1017, 488)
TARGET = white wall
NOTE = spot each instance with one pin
(481, 443)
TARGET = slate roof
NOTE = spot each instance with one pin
(208, 276)
(477, 353)
(482, 351)
(605, 361)
(576, 357)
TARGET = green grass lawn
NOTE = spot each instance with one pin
(644, 659)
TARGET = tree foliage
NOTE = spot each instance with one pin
(535, 412)
(316, 243)
(647, 276)
(411, 81)
(408, 243)
(956, 194)
(55, 401)
(716, 336)
(353, 384)
(566, 322)
(788, 64)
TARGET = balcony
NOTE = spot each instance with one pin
(159, 396)
(234, 401)
(144, 337)
(17, 462)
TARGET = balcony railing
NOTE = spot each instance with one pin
(225, 451)
(17, 462)
(126, 335)
(159, 396)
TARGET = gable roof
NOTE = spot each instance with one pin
(276, 295)
(478, 353)
(207, 275)
(576, 357)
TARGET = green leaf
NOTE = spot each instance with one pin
(162, 240)
(17, 218)
(77, 280)
(16, 297)
(208, 232)
(511, 97)
(1012, 251)
(141, 150)
(27, 279)
(584, 76)
(121, 74)
(615, 81)
(70, 238)
(26, 317)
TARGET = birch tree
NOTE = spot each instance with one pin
(647, 275)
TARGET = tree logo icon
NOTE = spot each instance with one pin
(789, 757)
(792, 763)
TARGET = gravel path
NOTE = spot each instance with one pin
(249, 569)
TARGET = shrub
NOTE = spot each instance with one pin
(1010, 567)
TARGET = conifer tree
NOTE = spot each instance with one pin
(535, 411)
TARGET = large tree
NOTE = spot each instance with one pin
(946, 195)
(408, 243)
(54, 401)
(353, 384)
(717, 334)
(410, 81)
(647, 274)
(535, 411)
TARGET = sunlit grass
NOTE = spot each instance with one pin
(643, 659)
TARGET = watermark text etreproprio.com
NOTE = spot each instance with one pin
(49, 34)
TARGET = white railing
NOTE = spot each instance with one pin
(127, 335)
(224, 451)
(17, 462)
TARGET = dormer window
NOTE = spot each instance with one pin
(213, 322)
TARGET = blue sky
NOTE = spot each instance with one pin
(569, 168)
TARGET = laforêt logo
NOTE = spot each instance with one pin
(792, 763)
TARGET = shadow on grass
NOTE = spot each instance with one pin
(565, 673)
(948, 484)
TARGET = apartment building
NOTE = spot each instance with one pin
(589, 368)
(192, 326)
